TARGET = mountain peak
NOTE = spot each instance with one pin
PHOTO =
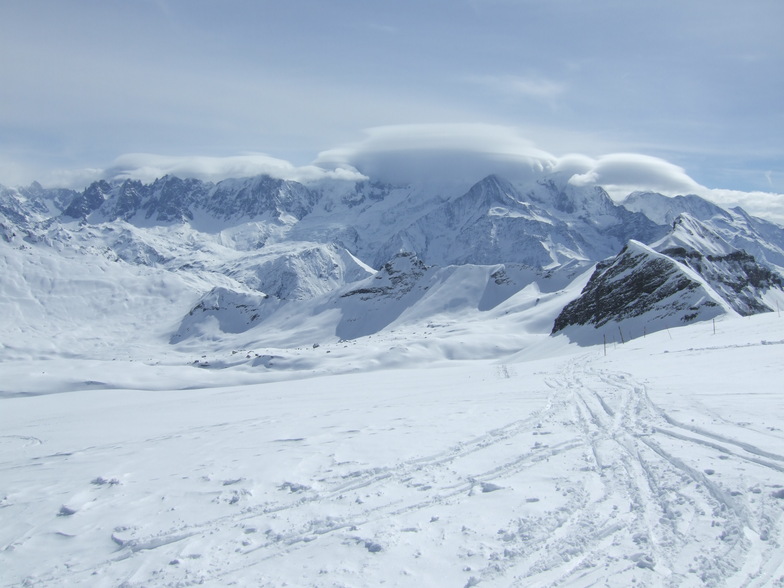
(91, 199)
(664, 210)
(638, 290)
(691, 234)
(306, 248)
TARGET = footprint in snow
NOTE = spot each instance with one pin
(488, 487)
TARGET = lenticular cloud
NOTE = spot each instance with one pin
(424, 153)
(634, 170)
(460, 152)
(469, 152)
(444, 154)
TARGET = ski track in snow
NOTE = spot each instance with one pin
(673, 502)
(599, 486)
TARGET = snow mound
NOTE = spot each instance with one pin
(223, 311)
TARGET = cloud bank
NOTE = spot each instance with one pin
(470, 152)
(630, 171)
(147, 167)
(440, 153)
(465, 153)
(455, 155)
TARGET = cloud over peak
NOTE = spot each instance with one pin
(147, 167)
(452, 156)
(472, 151)
(465, 153)
(633, 170)
(438, 152)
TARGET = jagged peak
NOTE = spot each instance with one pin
(403, 262)
(493, 189)
(555, 190)
(638, 290)
(693, 235)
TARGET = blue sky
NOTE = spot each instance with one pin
(696, 83)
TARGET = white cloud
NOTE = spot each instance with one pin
(767, 205)
(453, 156)
(633, 171)
(147, 167)
(468, 152)
(575, 164)
(14, 172)
(440, 152)
(465, 153)
(76, 179)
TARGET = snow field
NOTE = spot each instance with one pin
(659, 464)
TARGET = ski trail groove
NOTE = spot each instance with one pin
(629, 497)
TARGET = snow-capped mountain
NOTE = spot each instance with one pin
(267, 383)
(663, 210)
(733, 273)
(544, 225)
(758, 237)
(259, 252)
(690, 274)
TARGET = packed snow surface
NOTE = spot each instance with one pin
(658, 462)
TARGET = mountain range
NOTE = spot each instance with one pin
(260, 261)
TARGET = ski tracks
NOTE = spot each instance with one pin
(599, 485)
(692, 524)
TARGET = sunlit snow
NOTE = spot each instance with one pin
(657, 461)
(248, 403)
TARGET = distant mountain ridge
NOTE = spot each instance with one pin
(252, 247)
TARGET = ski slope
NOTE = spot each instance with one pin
(659, 463)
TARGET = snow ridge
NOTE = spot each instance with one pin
(273, 246)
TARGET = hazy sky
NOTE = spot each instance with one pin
(88, 85)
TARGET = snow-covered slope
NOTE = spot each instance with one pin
(659, 464)
(405, 295)
(690, 234)
(546, 224)
(88, 304)
(663, 210)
